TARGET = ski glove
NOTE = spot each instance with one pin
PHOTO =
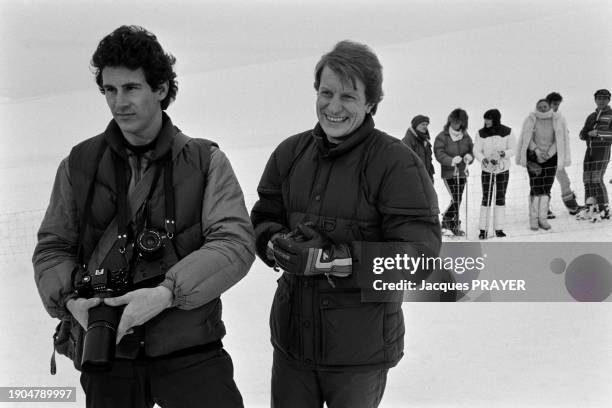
(309, 252)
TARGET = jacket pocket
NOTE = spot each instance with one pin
(351, 331)
(283, 325)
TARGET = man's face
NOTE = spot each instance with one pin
(340, 108)
(134, 105)
(602, 101)
(422, 127)
(554, 105)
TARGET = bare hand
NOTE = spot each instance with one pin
(141, 306)
(79, 308)
(593, 133)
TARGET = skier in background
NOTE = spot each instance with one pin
(493, 147)
(417, 138)
(567, 195)
(541, 149)
(597, 133)
(453, 149)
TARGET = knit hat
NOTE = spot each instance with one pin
(602, 92)
(493, 115)
(417, 120)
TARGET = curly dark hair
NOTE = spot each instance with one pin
(351, 60)
(134, 47)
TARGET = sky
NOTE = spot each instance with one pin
(245, 74)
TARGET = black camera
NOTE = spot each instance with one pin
(101, 334)
(149, 243)
(141, 264)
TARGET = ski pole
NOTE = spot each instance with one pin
(456, 199)
(489, 194)
(467, 200)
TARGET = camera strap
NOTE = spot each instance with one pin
(169, 221)
(88, 200)
(135, 201)
(144, 222)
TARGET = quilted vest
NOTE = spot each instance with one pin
(173, 329)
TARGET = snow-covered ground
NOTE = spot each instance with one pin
(245, 72)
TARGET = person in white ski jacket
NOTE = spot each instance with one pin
(493, 147)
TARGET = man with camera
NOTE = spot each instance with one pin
(145, 229)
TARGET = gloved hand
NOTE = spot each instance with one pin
(468, 158)
(308, 252)
(270, 246)
(456, 160)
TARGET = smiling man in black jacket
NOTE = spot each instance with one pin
(330, 198)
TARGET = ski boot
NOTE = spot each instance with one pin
(600, 213)
(588, 211)
(457, 231)
(571, 205)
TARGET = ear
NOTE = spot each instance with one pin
(162, 91)
(369, 107)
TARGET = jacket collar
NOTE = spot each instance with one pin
(496, 130)
(606, 109)
(114, 138)
(328, 149)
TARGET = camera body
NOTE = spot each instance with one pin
(142, 264)
(100, 336)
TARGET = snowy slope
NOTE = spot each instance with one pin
(457, 355)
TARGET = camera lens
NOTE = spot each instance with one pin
(99, 339)
(149, 241)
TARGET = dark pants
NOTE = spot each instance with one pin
(500, 180)
(193, 380)
(596, 159)
(455, 186)
(540, 182)
(294, 388)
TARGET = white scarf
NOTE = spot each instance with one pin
(455, 135)
(544, 115)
